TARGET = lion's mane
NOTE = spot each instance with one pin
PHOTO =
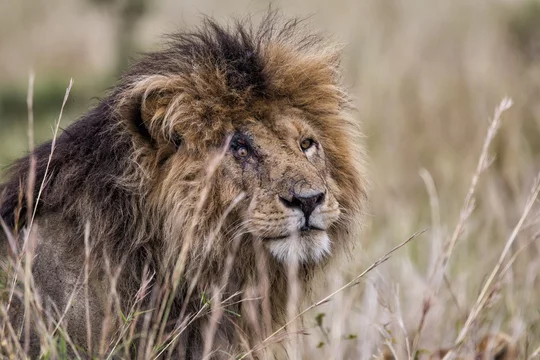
(112, 171)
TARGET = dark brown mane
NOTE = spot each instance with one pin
(115, 169)
(90, 157)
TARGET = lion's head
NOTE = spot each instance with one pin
(268, 104)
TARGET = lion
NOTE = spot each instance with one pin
(220, 173)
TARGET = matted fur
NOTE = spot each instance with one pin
(152, 173)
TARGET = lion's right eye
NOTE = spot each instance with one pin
(240, 146)
(242, 151)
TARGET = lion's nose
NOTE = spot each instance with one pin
(305, 203)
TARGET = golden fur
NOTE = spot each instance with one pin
(218, 164)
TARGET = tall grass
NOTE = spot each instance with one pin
(427, 76)
(143, 332)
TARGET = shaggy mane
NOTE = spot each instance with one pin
(113, 169)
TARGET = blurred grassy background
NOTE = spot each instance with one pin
(426, 76)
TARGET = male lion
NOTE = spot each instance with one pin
(218, 175)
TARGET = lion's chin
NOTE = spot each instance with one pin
(302, 247)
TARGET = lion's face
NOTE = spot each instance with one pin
(293, 152)
(290, 197)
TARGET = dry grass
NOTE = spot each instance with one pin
(427, 76)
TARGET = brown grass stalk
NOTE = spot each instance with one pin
(496, 272)
(327, 298)
(467, 208)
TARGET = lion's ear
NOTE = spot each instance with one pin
(145, 103)
(139, 125)
(147, 116)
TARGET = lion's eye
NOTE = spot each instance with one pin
(242, 151)
(306, 144)
(241, 146)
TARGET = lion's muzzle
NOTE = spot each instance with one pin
(307, 204)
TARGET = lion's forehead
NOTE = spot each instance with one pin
(277, 127)
(274, 125)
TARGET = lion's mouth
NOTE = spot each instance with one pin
(274, 238)
(306, 230)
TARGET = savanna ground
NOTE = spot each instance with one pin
(426, 77)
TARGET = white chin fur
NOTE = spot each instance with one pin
(301, 249)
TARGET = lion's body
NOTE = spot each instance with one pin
(147, 179)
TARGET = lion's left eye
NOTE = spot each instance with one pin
(306, 144)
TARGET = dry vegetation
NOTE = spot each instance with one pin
(427, 76)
